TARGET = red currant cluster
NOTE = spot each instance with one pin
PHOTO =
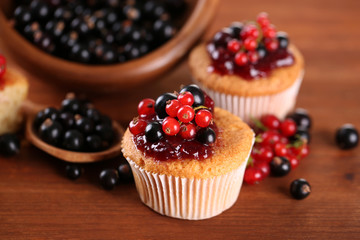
(279, 147)
(175, 114)
(247, 42)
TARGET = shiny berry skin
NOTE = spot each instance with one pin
(146, 107)
(108, 178)
(72, 105)
(300, 189)
(236, 28)
(263, 20)
(170, 126)
(160, 104)
(221, 38)
(67, 120)
(73, 140)
(93, 143)
(203, 118)
(9, 145)
(234, 45)
(172, 107)
(188, 131)
(73, 171)
(40, 117)
(301, 118)
(253, 57)
(294, 161)
(282, 39)
(253, 175)
(280, 149)
(288, 127)
(206, 135)
(197, 93)
(93, 114)
(280, 166)
(301, 134)
(186, 98)
(153, 132)
(249, 31)
(241, 59)
(261, 50)
(51, 132)
(263, 153)
(84, 124)
(264, 167)
(301, 152)
(2, 66)
(270, 138)
(271, 44)
(105, 131)
(250, 44)
(269, 32)
(125, 173)
(209, 103)
(137, 126)
(347, 137)
(270, 121)
(185, 114)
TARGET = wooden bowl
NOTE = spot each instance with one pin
(99, 77)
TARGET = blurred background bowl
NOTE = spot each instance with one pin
(104, 78)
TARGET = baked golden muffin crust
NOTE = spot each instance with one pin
(233, 145)
(13, 91)
(279, 80)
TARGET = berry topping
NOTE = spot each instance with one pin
(172, 107)
(153, 132)
(300, 189)
(146, 107)
(288, 127)
(347, 137)
(206, 135)
(137, 126)
(196, 92)
(250, 50)
(170, 126)
(188, 131)
(186, 98)
(2, 66)
(280, 166)
(203, 118)
(270, 121)
(186, 114)
(160, 104)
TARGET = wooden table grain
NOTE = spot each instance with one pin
(38, 202)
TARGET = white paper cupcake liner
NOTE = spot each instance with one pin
(185, 198)
(246, 108)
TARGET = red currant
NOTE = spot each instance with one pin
(241, 59)
(280, 149)
(270, 138)
(269, 32)
(203, 118)
(172, 107)
(209, 103)
(301, 151)
(146, 107)
(253, 175)
(186, 114)
(253, 57)
(263, 20)
(170, 126)
(270, 121)
(2, 66)
(186, 98)
(294, 162)
(234, 45)
(263, 153)
(250, 44)
(137, 126)
(251, 31)
(264, 167)
(271, 44)
(288, 127)
(188, 131)
(284, 140)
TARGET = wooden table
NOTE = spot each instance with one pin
(38, 202)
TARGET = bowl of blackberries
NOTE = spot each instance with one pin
(101, 45)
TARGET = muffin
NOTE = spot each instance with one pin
(249, 69)
(13, 91)
(188, 158)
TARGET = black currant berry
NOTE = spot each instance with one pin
(301, 118)
(153, 132)
(261, 50)
(347, 137)
(93, 114)
(22, 15)
(198, 94)
(280, 166)
(9, 145)
(105, 131)
(84, 124)
(282, 39)
(301, 134)
(71, 105)
(125, 173)
(93, 143)
(160, 104)
(73, 140)
(51, 132)
(223, 37)
(206, 135)
(73, 171)
(236, 28)
(67, 120)
(300, 188)
(108, 178)
(40, 117)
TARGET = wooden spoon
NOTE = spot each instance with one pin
(30, 109)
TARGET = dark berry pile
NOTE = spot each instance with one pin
(279, 145)
(249, 49)
(98, 31)
(176, 125)
(76, 126)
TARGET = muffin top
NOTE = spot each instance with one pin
(248, 59)
(233, 144)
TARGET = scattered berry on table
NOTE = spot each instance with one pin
(9, 145)
(300, 189)
(253, 175)
(280, 166)
(108, 178)
(301, 118)
(347, 137)
(125, 173)
(73, 171)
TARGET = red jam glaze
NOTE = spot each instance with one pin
(263, 68)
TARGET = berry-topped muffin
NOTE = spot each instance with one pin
(250, 69)
(13, 91)
(188, 158)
